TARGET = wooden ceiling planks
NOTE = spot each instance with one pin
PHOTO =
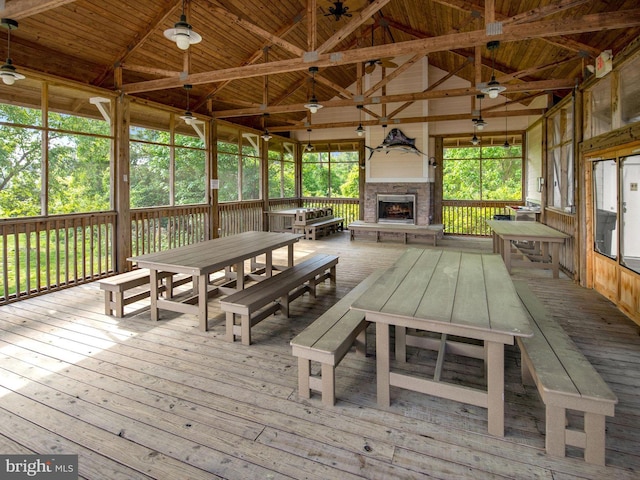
(84, 39)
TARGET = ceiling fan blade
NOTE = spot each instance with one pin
(387, 63)
(370, 67)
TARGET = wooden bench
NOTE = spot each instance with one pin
(566, 381)
(258, 301)
(434, 231)
(323, 228)
(327, 340)
(115, 287)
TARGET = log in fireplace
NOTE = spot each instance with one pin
(396, 208)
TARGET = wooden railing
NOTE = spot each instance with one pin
(160, 228)
(238, 217)
(567, 223)
(44, 254)
(470, 218)
(347, 208)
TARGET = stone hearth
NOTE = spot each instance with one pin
(420, 190)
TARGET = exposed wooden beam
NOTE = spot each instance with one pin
(409, 120)
(395, 74)
(250, 27)
(489, 11)
(565, 43)
(312, 22)
(431, 87)
(544, 11)
(150, 70)
(402, 97)
(542, 29)
(357, 20)
(19, 9)
(537, 69)
(139, 39)
(325, 81)
(253, 58)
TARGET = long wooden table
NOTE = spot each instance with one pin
(545, 238)
(281, 220)
(201, 259)
(450, 293)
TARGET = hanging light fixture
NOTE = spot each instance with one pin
(266, 136)
(182, 33)
(493, 88)
(188, 117)
(475, 140)
(506, 141)
(313, 104)
(360, 130)
(309, 147)
(8, 71)
(479, 123)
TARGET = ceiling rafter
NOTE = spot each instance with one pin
(138, 40)
(253, 58)
(270, 37)
(357, 20)
(433, 86)
(541, 29)
(409, 120)
(565, 43)
(403, 97)
(19, 9)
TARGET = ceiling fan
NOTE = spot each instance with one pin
(387, 62)
(339, 9)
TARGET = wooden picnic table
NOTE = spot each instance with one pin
(542, 236)
(201, 259)
(450, 293)
(281, 220)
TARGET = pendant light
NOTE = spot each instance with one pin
(8, 71)
(493, 88)
(309, 147)
(266, 136)
(506, 141)
(360, 130)
(475, 140)
(182, 33)
(313, 104)
(188, 117)
(479, 123)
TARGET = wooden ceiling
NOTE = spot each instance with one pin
(255, 55)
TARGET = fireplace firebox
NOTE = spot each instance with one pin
(396, 208)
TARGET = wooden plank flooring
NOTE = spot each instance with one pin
(138, 399)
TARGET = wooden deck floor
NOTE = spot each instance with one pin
(139, 400)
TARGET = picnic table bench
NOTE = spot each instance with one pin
(435, 231)
(565, 381)
(327, 340)
(256, 302)
(116, 286)
(316, 222)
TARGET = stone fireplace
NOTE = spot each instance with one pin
(401, 194)
(396, 208)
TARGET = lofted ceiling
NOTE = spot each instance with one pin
(255, 55)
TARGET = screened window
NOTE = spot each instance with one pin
(561, 159)
(482, 173)
(238, 164)
(167, 167)
(282, 181)
(330, 173)
(77, 177)
(605, 195)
